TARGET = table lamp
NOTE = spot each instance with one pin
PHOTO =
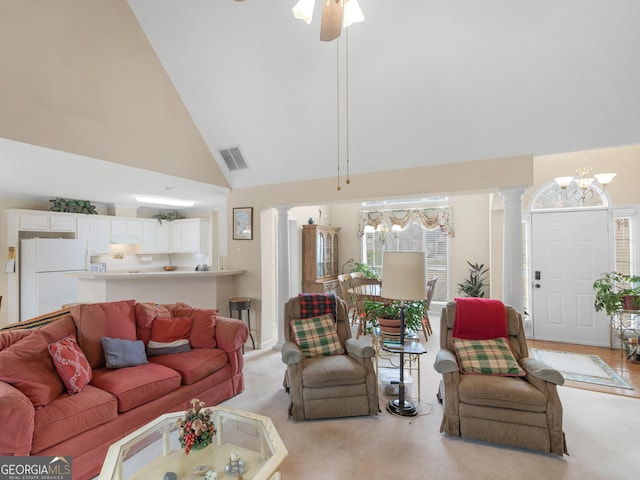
(403, 278)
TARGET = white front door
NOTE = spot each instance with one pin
(569, 251)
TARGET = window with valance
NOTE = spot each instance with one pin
(429, 218)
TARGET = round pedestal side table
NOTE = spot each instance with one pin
(240, 304)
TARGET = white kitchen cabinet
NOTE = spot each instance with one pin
(96, 231)
(149, 237)
(47, 223)
(126, 231)
(163, 237)
(190, 235)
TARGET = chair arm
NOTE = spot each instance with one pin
(446, 362)
(359, 348)
(541, 370)
(290, 353)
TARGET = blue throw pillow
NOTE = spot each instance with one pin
(119, 353)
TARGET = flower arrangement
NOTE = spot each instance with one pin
(196, 429)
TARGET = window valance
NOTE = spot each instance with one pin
(429, 218)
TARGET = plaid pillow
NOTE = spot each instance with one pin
(316, 336)
(490, 357)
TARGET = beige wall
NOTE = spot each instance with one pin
(104, 96)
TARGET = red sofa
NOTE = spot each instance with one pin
(40, 417)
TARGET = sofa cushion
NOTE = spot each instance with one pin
(97, 320)
(194, 365)
(170, 335)
(203, 333)
(332, 371)
(138, 385)
(316, 336)
(9, 338)
(146, 313)
(489, 357)
(501, 392)
(27, 366)
(121, 353)
(71, 364)
(67, 416)
(58, 329)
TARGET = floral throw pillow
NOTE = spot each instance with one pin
(71, 364)
(489, 357)
(316, 336)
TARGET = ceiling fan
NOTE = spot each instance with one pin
(335, 15)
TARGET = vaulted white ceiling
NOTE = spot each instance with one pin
(430, 82)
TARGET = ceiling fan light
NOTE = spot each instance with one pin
(352, 13)
(303, 10)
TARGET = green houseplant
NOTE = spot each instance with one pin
(612, 288)
(390, 310)
(474, 285)
(364, 269)
(70, 205)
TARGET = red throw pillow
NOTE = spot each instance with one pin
(170, 335)
(146, 313)
(203, 333)
(71, 364)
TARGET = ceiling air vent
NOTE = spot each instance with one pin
(233, 158)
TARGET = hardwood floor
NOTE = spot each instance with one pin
(612, 357)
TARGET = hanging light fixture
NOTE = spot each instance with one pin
(303, 10)
(335, 15)
(583, 183)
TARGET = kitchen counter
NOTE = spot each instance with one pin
(203, 289)
(146, 274)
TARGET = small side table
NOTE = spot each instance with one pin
(401, 406)
(239, 305)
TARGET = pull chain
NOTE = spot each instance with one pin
(348, 180)
(338, 188)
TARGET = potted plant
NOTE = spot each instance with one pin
(386, 315)
(474, 285)
(615, 292)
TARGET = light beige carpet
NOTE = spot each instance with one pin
(603, 434)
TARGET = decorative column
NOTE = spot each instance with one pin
(513, 273)
(282, 265)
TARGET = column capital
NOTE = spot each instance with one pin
(512, 191)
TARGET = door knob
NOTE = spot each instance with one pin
(537, 285)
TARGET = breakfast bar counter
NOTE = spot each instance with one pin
(204, 289)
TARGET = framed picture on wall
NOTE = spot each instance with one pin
(243, 223)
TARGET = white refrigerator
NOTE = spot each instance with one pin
(44, 265)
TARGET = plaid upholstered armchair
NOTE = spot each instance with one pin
(329, 374)
(499, 395)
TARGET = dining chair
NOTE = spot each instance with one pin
(426, 323)
(365, 289)
(346, 293)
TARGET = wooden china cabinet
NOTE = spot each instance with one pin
(320, 259)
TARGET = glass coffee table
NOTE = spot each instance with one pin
(153, 450)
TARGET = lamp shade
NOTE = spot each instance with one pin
(403, 276)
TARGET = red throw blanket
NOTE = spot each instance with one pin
(480, 319)
(316, 304)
